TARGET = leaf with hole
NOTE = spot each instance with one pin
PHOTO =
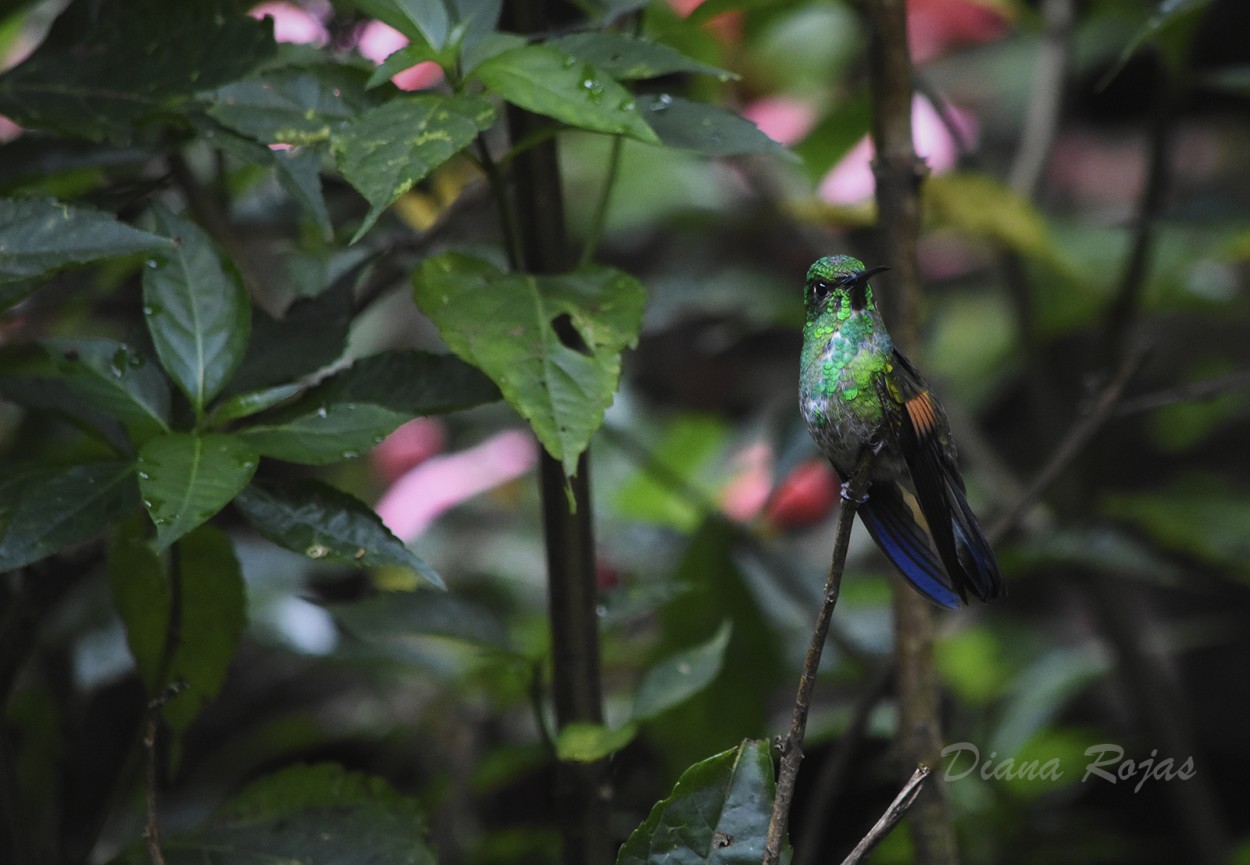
(551, 343)
(717, 813)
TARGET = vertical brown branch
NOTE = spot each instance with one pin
(580, 798)
(899, 174)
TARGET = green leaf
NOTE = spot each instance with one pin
(185, 478)
(387, 150)
(196, 309)
(545, 80)
(253, 402)
(587, 743)
(51, 509)
(717, 813)
(322, 522)
(117, 380)
(96, 77)
(685, 450)
(681, 675)
(41, 235)
(311, 335)
(309, 815)
(707, 129)
(210, 617)
(1171, 26)
(299, 172)
(397, 61)
(506, 325)
(413, 382)
(325, 434)
(626, 57)
(142, 595)
(300, 106)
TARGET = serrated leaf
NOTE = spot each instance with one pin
(321, 522)
(51, 509)
(506, 326)
(41, 235)
(707, 129)
(545, 80)
(133, 61)
(681, 675)
(299, 106)
(142, 595)
(717, 813)
(211, 615)
(117, 380)
(185, 478)
(309, 815)
(587, 743)
(325, 434)
(385, 151)
(413, 382)
(627, 57)
(197, 311)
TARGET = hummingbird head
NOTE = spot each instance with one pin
(839, 281)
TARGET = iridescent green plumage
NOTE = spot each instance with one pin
(856, 391)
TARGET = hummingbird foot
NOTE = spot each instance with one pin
(845, 492)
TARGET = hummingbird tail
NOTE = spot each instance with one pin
(893, 526)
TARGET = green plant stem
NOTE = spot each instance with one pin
(792, 745)
(580, 798)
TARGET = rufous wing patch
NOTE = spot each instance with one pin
(920, 411)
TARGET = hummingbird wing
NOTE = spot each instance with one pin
(893, 526)
(925, 444)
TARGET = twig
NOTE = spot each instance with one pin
(898, 808)
(1073, 443)
(1192, 392)
(152, 832)
(1045, 98)
(792, 745)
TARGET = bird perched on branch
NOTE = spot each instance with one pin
(857, 391)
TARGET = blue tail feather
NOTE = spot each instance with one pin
(894, 528)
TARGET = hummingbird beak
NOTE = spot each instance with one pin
(859, 283)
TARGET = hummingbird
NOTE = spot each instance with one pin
(857, 391)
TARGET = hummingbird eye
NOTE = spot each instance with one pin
(821, 289)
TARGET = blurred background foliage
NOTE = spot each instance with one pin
(1085, 268)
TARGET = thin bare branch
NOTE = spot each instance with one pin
(898, 808)
(792, 745)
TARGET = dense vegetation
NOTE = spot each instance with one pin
(399, 455)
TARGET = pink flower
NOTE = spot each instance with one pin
(377, 41)
(8, 130)
(292, 23)
(440, 483)
(407, 447)
(851, 180)
(750, 483)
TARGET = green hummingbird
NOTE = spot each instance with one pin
(857, 391)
